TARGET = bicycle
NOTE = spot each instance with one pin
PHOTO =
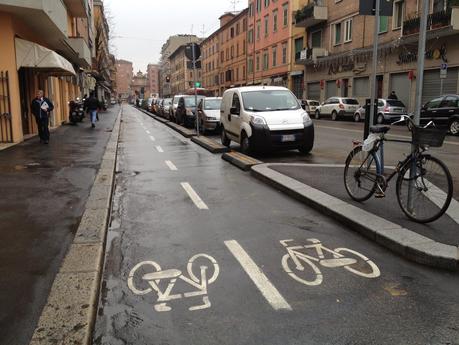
(338, 257)
(424, 186)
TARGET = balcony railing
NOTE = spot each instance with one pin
(311, 14)
(310, 54)
(434, 21)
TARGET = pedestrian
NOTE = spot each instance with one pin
(41, 107)
(92, 106)
(392, 95)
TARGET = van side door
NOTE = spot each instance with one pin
(234, 117)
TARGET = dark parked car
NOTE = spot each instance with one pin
(443, 111)
(186, 110)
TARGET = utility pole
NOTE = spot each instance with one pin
(373, 95)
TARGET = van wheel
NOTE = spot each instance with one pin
(305, 149)
(334, 115)
(317, 115)
(225, 140)
(245, 143)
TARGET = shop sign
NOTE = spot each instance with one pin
(408, 56)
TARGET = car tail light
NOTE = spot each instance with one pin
(341, 106)
(386, 109)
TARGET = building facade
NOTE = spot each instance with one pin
(210, 51)
(153, 79)
(124, 77)
(66, 36)
(181, 77)
(139, 86)
(338, 54)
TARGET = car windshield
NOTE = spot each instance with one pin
(350, 101)
(395, 103)
(212, 104)
(190, 101)
(269, 100)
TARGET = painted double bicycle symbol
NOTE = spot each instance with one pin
(304, 268)
(164, 293)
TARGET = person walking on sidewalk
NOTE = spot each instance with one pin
(41, 107)
(92, 107)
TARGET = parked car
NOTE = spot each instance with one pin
(173, 107)
(337, 107)
(165, 107)
(150, 103)
(389, 110)
(264, 118)
(186, 110)
(443, 111)
(156, 106)
(112, 101)
(209, 113)
(310, 105)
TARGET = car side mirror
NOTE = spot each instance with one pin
(235, 111)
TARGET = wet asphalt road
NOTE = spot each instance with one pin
(44, 189)
(155, 220)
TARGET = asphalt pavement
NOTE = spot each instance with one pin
(44, 189)
(197, 254)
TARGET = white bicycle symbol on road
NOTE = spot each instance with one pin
(295, 262)
(171, 275)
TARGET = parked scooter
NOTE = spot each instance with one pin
(76, 111)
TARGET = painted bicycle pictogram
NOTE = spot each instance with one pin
(301, 262)
(207, 275)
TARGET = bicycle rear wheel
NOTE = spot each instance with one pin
(360, 174)
(431, 192)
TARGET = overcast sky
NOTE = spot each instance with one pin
(141, 27)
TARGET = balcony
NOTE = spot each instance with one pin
(435, 20)
(77, 7)
(310, 54)
(79, 45)
(311, 15)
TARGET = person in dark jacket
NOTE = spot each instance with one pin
(41, 107)
(92, 106)
(392, 95)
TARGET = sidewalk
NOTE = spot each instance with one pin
(44, 189)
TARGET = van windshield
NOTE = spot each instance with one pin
(269, 100)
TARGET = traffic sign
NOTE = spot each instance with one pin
(444, 66)
(189, 51)
(443, 73)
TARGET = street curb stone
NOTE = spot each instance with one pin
(69, 314)
(210, 145)
(240, 160)
(187, 133)
(405, 242)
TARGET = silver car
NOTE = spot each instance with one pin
(209, 113)
(336, 107)
(388, 110)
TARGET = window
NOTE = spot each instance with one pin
(337, 33)
(298, 46)
(274, 63)
(316, 39)
(232, 52)
(397, 18)
(250, 36)
(237, 29)
(284, 53)
(435, 103)
(266, 25)
(266, 3)
(258, 6)
(348, 30)
(285, 13)
(243, 47)
(237, 74)
(258, 29)
(232, 32)
(244, 25)
(236, 103)
(439, 5)
(227, 54)
(243, 72)
(251, 9)
(258, 62)
(275, 20)
(250, 66)
(237, 49)
(265, 60)
(383, 23)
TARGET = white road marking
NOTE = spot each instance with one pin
(148, 132)
(159, 148)
(267, 289)
(194, 196)
(152, 138)
(171, 166)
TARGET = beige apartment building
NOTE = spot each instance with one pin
(338, 53)
(181, 77)
(44, 45)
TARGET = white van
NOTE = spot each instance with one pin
(264, 118)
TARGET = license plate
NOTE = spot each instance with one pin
(286, 138)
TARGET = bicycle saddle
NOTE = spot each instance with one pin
(379, 129)
(166, 274)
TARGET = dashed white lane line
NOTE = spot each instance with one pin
(171, 165)
(194, 196)
(159, 148)
(152, 138)
(267, 289)
(148, 132)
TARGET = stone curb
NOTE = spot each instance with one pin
(69, 314)
(210, 145)
(240, 160)
(187, 133)
(402, 241)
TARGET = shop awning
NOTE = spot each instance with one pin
(32, 55)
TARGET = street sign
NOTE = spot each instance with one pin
(189, 64)
(443, 73)
(444, 66)
(367, 7)
(189, 51)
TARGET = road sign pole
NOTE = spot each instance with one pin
(373, 94)
(195, 90)
(441, 86)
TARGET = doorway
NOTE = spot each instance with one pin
(379, 85)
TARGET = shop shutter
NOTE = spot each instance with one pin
(331, 89)
(361, 87)
(314, 91)
(432, 84)
(400, 83)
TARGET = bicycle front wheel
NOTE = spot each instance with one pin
(424, 193)
(360, 174)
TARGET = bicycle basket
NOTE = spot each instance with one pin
(433, 137)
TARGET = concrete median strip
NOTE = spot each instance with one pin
(209, 144)
(240, 160)
(405, 242)
(187, 133)
(70, 310)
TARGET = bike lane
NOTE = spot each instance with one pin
(206, 206)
